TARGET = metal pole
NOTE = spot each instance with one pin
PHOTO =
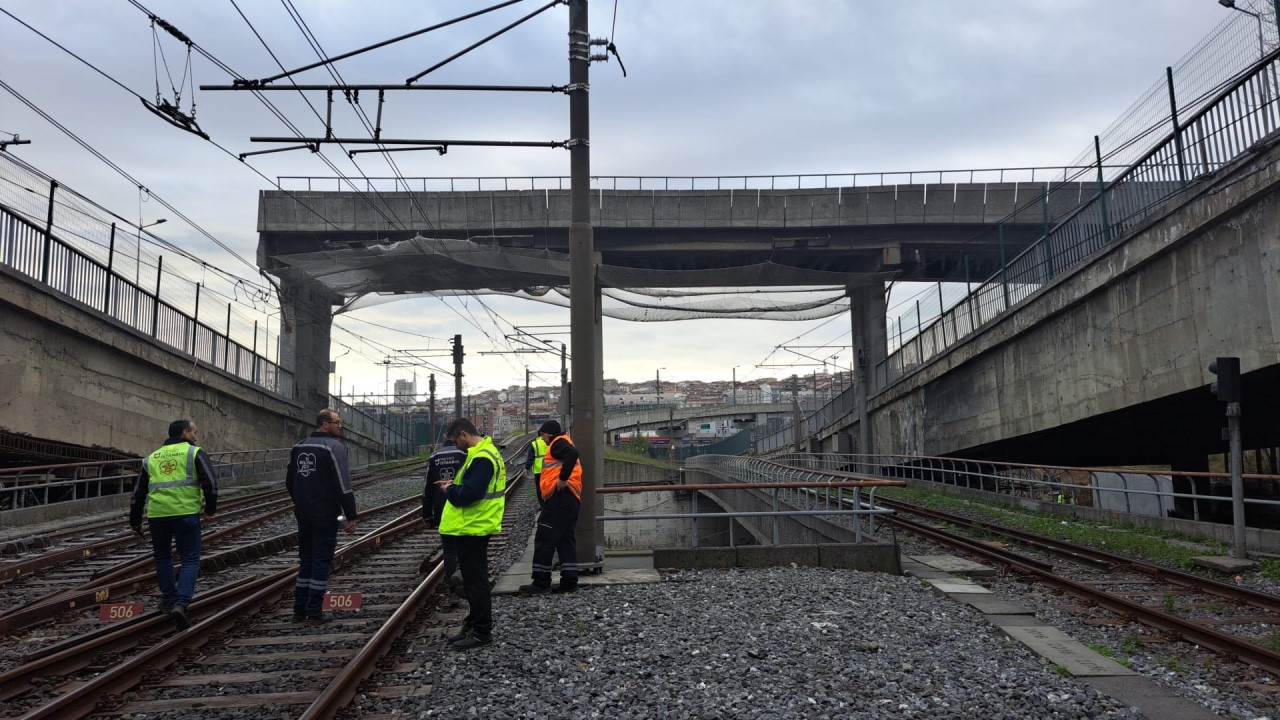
(1177, 131)
(386, 405)
(735, 385)
(195, 320)
(457, 376)
(111, 256)
(226, 345)
(155, 307)
(1102, 192)
(584, 293)
(1048, 246)
(1004, 267)
(527, 420)
(657, 386)
(1239, 549)
(253, 373)
(48, 234)
(431, 413)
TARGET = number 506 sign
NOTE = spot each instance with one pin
(342, 601)
(119, 611)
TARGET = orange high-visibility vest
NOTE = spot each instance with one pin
(551, 472)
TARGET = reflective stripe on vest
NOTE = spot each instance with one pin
(484, 516)
(173, 488)
(551, 473)
(539, 449)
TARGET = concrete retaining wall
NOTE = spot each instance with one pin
(1138, 323)
(71, 374)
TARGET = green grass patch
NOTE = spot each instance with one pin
(1062, 671)
(1174, 664)
(1102, 650)
(1269, 568)
(1143, 543)
(1131, 644)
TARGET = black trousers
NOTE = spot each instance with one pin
(557, 525)
(473, 561)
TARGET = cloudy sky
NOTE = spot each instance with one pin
(714, 88)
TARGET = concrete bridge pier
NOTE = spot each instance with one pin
(306, 323)
(867, 314)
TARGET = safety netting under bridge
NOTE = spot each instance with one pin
(376, 274)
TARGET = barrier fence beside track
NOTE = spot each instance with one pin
(791, 494)
(1165, 493)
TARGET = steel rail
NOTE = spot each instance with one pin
(82, 700)
(344, 686)
(129, 575)
(1093, 556)
(1242, 650)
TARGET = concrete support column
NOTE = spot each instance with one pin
(307, 318)
(867, 315)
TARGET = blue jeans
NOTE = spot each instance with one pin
(185, 531)
(317, 541)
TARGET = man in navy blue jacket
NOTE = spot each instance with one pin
(443, 465)
(320, 484)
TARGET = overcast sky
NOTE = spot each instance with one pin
(714, 87)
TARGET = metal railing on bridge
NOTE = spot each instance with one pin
(72, 249)
(792, 492)
(798, 181)
(1242, 113)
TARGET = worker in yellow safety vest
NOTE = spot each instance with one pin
(177, 485)
(474, 502)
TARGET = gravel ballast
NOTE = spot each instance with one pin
(772, 643)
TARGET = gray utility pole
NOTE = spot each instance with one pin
(584, 295)
(457, 376)
(795, 411)
(431, 414)
(526, 399)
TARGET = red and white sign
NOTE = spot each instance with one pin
(119, 611)
(342, 601)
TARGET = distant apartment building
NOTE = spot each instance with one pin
(405, 392)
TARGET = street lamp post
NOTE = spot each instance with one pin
(137, 255)
(735, 385)
(1262, 49)
(657, 384)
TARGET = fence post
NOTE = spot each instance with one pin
(254, 372)
(1004, 268)
(1102, 192)
(226, 342)
(48, 235)
(155, 307)
(111, 256)
(1048, 246)
(195, 320)
(968, 291)
(1177, 131)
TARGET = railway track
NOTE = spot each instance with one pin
(243, 650)
(1228, 619)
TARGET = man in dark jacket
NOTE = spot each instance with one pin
(319, 482)
(171, 484)
(443, 466)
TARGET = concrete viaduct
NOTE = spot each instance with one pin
(1107, 365)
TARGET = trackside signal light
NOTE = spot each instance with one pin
(1227, 387)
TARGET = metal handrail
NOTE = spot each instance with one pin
(796, 181)
(1244, 112)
